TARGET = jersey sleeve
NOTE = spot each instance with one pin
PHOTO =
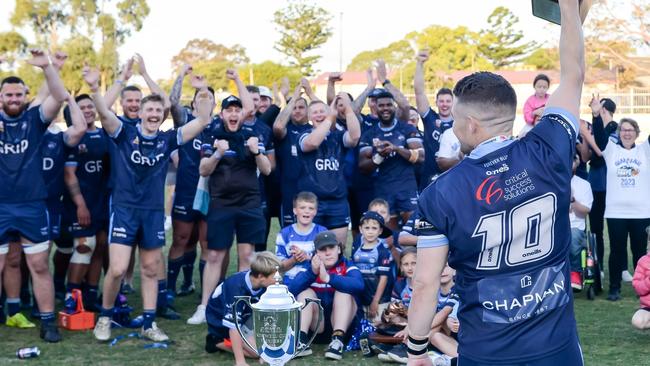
(384, 262)
(365, 142)
(557, 130)
(429, 227)
(281, 247)
(207, 149)
(412, 134)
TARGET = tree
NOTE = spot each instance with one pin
(394, 54)
(544, 59)
(12, 46)
(79, 19)
(198, 50)
(501, 43)
(269, 72)
(303, 28)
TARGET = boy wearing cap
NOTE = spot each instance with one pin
(338, 283)
(374, 261)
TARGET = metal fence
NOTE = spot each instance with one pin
(633, 101)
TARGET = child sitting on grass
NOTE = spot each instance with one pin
(641, 283)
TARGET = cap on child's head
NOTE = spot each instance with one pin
(372, 215)
(325, 239)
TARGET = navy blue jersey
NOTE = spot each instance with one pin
(219, 310)
(90, 157)
(264, 134)
(21, 164)
(288, 161)
(372, 263)
(395, 173)
(129, 121)
(189, 159)
(504, 213)
(359, 180)
(433, 129)
(322, 171)
(402, 291)
(139, 166)
(53, 150)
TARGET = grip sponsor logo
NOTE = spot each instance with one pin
(17, 148)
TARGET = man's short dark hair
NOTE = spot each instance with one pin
(129, 88)
(11, 80)
(81, 97)
(157, 98)
(609, 105)
(485, 88)
(444, 91)
(252, 89)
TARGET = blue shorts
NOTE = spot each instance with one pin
(54, 210)
(333, 214)
(224, 222)
(182, 210)
(400, 201)
(570, 355)
(28, 219)
(98, 221)
(131, 226)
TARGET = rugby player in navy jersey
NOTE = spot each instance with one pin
(501, 218)
(322, 152)
(22, 189)
(291, 123)
(86, 205)
(435, 123)
(392, 148)
(139, 161)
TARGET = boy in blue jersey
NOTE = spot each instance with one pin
(22, 189)
(501, 218)
(435, 123)
(139, 161)
(294, 244)
(374, 261)
(222, 334)
(392, 147)
(86, 205)
(337, 282)
(322, 152)
(290, 124)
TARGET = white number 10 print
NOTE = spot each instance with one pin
(530, 227)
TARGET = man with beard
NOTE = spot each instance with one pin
(139, 162)
(22, 190)
(392, 148)
(322, 152)
(290, 124)
(434, 123)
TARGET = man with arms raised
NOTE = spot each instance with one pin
(138, 166)
(501, 217)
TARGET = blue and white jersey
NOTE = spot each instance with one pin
(90, 157)
(139, 166)
(394, 174)
(53, 150)
(219, 309)
(434, 126)
(504, 213)
(290, 237)
(372, 263)
(21, 163)
(322, 170)
(129, 121)
(402, 291)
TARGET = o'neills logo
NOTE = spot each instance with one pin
(489, 191)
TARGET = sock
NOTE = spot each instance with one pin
(173, 270)
(149, 317)
(201, 268)
(338, 333)
(92, 292)
(13, 306)
(162, 294)
(304, 337)
(59, 284)
(106, 312)
(188, 268)
(25, 296)
(47, 318)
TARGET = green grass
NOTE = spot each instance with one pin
(606, 335)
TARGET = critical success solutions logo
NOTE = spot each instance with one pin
(497, 185)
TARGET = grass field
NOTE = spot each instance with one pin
(606, 335)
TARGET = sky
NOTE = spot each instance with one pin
(363, 25)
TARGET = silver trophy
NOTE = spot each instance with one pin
(276, 323)
(550, 10)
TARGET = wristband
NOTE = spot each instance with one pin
(415, 153)
(377, 159)
(258, 153)
(416, 345)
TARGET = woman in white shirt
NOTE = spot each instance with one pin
(627, 207)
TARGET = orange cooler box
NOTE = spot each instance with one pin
(80, 319)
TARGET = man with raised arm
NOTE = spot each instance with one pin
(23, 191)
(138, 166)
(501, 218)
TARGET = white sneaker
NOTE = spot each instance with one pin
(439, 360)
(168, 222)
(102, 329)
(626, 276)
(198, 317)
(154, 333)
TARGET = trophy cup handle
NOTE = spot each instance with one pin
(247, 300)
(320, 319)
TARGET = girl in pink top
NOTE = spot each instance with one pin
(641, 283)
(535, 104)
